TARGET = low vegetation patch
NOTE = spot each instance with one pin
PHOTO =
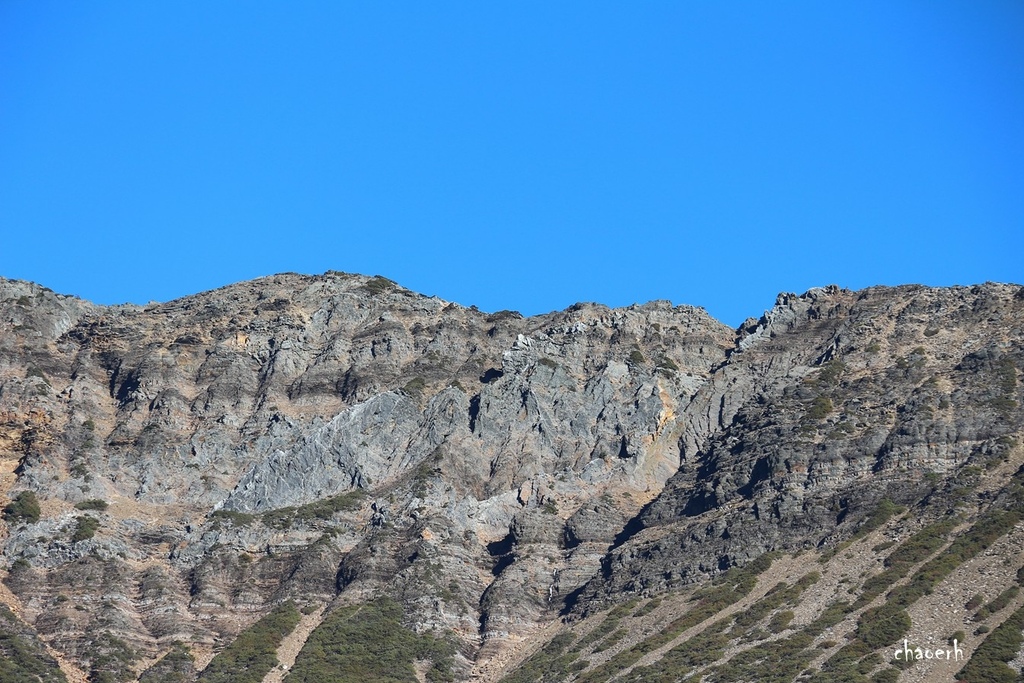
(988, 664)
(368, 643)
(379, 285)
(728, 589)
(322, 509)
(22, 657)
(85, 528)
(236, 518)
(1000, 603)
(24, 508)
(177, 666)
(254, 652)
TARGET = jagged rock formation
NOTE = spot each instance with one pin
(333, 439)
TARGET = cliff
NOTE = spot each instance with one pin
(477, 486)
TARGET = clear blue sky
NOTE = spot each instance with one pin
(519, 155)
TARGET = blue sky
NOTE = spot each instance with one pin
(517, 155)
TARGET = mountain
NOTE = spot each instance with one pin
(333, 478)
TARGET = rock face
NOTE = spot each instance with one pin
(334, 438)
(835, 401)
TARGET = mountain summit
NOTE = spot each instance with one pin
(333, 478)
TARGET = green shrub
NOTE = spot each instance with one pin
(23, 658)
(93, 504)
(831, 372)
(700, 650)
(324, 509)
(254, 652)
(33, 371)
(85, 528)
(111, 660)
(636, 357)
(368, 643)
(988, 662)
(780, 594)
(999, 603)
(886, 675)
(780, 621)
(820, 407)
(647, 608)
(776, 661)
(612, 640)
(24, 508)
(665, 363)
(236, 518)
(883, 625)
(177, 666)
(915, 549)
(885, 511)
(724, 591)
(980, 536)
(415, 386)
(379, 285)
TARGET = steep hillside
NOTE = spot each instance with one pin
(363, 483)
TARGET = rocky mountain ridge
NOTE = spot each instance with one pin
(338, 440)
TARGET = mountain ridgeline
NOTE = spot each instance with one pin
(333, 478)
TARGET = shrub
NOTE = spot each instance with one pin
(883, 625)
(880, 515)
(324, 509)
(254, 652)
(726, 590)
(988, 663)
(24, 508)
(23, 658)
(780, 621)
(177, 666)
(666, 363)
(1000, 602)
(85, 528)
(415, 386)
(379, 285)
(368, 643)
(33, 371)
(648, 608)
(820, 407)
(831, 371)
(111, 660)
(92, 504)
(236, 518)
